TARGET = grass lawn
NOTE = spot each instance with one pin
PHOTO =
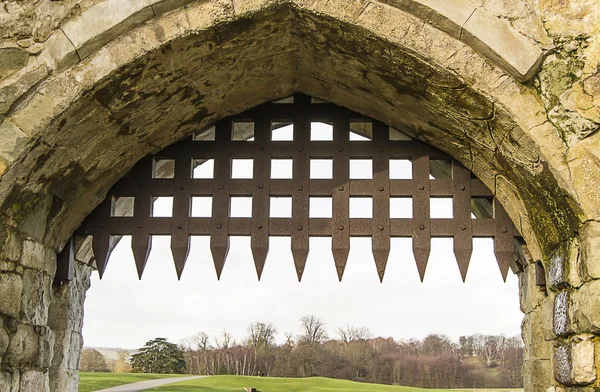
(265, 384)
(94, 381)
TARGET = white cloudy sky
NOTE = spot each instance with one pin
(122, 311)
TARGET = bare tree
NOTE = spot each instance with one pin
(312, 330)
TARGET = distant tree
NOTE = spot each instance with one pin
(159, 356)
(92, 361)
(312, 330)
(122, 364)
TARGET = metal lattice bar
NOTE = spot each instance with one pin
(146, 182)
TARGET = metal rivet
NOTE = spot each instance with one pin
(219, 225)
(341, 227)
(462, 187)
(181, 188)
(220, 186)
(421, 187)
(180, 227)
(341, 188)
(381, 150)
(300, 149)
(259, 227)
(260, 186)
(380, 228)
(140, 226)
(300, 188)
(381, 189)
(300, 228)
(421, 227)
(262, 148)
(504, 230)
(463, 227)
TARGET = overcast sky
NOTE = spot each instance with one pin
(121, 311)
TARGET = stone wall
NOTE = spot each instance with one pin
(509, 88)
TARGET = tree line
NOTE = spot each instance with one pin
(476, 361)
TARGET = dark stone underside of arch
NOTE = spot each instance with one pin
(194, 81)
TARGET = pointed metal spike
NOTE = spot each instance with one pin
(141, 246)
(180, 249)
(102, 246)
(381, 259)
(421, 258)
(300, 256)
(260, 256)
(340, 256)
(219, 254)
(463, 259)
(504, 259)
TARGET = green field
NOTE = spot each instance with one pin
(94, 381)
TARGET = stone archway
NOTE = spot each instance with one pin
(104, 94)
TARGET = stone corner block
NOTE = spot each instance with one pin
(574, 361)
(497, 40)
(590, 249)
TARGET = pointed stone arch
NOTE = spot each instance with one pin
(86, 111)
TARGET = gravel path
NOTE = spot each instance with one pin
(143, 385)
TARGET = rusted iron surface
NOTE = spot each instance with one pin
(170, 174)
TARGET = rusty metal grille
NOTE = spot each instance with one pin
(248, 136)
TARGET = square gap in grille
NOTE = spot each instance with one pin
(361, 207)
(321, 169)
(203, 168)
(321, 132)
(163, 168)
(282, 169)
(361, 131)
(162, 207)
(440, 169)
(361, 169)
(396, 135)
(280, 207)
(288, 100)
(400, 169)
(440, 208)
(401, 207)
(240, 207)
(242, 130)
(242, 169)
(206, 135)
(482, 207)
(282, 131)
(201, 207)
(320, 207)
(122, 206)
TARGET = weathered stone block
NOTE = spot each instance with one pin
(584, 308)
(11, 289)
(4, 341)
(590, 249)
(574, 361)
(23, 347)
(37, 291)
(561, 314)
(34, 255)
(34, 380)
(46, 346)
(12, 246)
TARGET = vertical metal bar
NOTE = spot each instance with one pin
(180, 238)
(461, 213)
(260, 194)
(300, 192)
(540, 274)
(381, 197)
(504, 245)
(340, 241)
(421, 214)
(64, 262)
(102, 241)
(141, 240)
(219, 239)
